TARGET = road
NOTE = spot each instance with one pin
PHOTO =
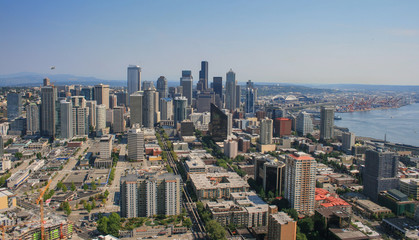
(198, 225)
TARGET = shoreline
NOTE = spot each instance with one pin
(373, 109)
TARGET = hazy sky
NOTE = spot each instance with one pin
(336, 41)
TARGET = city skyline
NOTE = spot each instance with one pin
(321, 42)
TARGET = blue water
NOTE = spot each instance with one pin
(400, 124)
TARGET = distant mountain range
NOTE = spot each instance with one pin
(27, 79)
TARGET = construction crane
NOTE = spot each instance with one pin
(40, 201)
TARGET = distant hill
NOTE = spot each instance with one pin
(35, 79)
(368, 87)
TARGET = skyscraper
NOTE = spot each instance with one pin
(251, 97)
(100, 118)
(14, 105)
(136, 145)
(162, 87)
(102, 94)
(148, 107)
(32, 119)
(179, 109)
(218, 86)
(91, 104)
(380, 172)
(304, 123)
(348, 140)
(119, 120)
(218, 126)
(88, 93)
(151, 194)
(166, 108)
(203, 76)
(66, 118)
(80, 115)
(282, 127)
(134, 79)
(266, 131)
(1, 146)
(327, 117)
(136, 108)
(230, 98)
(48, 114)
(186, 81)
(300, 182)
(238, 96)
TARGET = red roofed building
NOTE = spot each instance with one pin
(326, 199)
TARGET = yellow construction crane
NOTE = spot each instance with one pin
(40, 201)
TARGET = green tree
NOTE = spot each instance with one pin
(85, 187)
(215, 230)
(187, 223)
(102, 225)
(73, 187)
(114, 224)
(64, 188)
(93, 203)
(18, 155)
(88, 207)
(306, 225)
(39, 155)
(292, 212)
(106, 194)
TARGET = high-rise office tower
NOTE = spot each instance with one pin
(105, 146)
(304, 123)
(102, 94)
(266, 131)
(162, 88)
(219, 124)
(238, 96)
(80, 115)
(113, 101)
(66, 118)
(100, 118)
(118, 120)
(91, 104)
(380, 172)
(327, 117)
(281, 227)
(251, 97)
(204, 100)
(48, 114)
(166, 108)
(179, 109)
(203, 76)
(270, 172)
(150, 194)
(230, 97)
(136, 108)
(148, 107)
(136, 145)
(218, 86)
(348, 140)
(88, 93)
(32, 119)
(300, 182)
(122, 98)
(109, 117)
(186, 81)
(14, 105)
(46, 82)
(134, 79)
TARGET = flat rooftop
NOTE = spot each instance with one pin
(218, 180)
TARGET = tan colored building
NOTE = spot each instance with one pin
(410, 187)
(281, 227)
(5, 196)
(300, 182)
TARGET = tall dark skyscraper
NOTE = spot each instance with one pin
(48, 111)
(380, 173)
(218, 126)
(203, 76)
(133, 79)
(14, 105)
(186, 81)
(218, 86)
(251, 97)
(230, 98)
(179, 109)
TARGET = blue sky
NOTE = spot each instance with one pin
(336, 41)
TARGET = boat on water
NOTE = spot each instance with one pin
(337, 117)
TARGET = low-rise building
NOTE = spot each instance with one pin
(397, 201)
(217, 185)
(370, 209)
(410, 187)
(281, 227)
